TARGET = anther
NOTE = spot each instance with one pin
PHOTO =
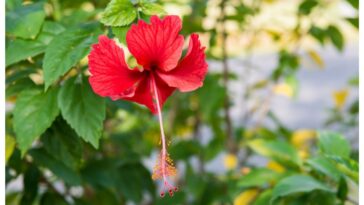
(162, 194)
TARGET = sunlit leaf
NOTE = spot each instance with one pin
(119, 13)
(331, 143)
(258, 178)
(277, 150)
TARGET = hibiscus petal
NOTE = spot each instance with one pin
(110, 75)
(191, 71)
(144, 93)
(157, 44)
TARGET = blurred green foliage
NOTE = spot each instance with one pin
(66, 145)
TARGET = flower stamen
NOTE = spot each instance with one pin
(164, 167)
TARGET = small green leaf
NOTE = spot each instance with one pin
(325, 166)
(318, 33)
(258, 177)
(25, 21)
(152, 9)
(83, 110)
(280, 151)
(20, 49)
(10, 145)
(331, 143)
(120, 33)
(66, 50)
(42, 158)
(353, 21)
(34, 112)
(297, 184)
(306, 6)
(336, 37)
(119, 13)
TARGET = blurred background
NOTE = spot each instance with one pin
(276, 121)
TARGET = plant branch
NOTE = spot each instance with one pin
(227, 118)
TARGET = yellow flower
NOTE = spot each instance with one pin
(230, 161)
(246, 197)
(275, 166)
(316, 58)
(339, 97)
(283, 89)
(302, 136)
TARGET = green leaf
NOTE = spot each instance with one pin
(83, 110)
(336, 37)
(9, 146)
(20, 49)
(280, 151)
(354, 3)
(66, 50)
(149, 8)
(119, 13)
(18, 86)
(353, 21)
(34, 112)
(348, 167)
(297, 184)
(42, 158)
(325, 166)
(12, 4)
(134, 179)
(306, 6)
(331, 143)
(30, 192)
(25, 21)
(52, 198)
(120, 33)
(264, 198)
(258, 177)
(318, 33)
(343, 189)
(62, 143)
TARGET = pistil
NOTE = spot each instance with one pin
(164, 167)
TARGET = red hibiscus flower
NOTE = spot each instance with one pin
(157, 48)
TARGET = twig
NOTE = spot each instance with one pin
(230, 142)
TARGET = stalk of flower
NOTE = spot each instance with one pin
(157, 48)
